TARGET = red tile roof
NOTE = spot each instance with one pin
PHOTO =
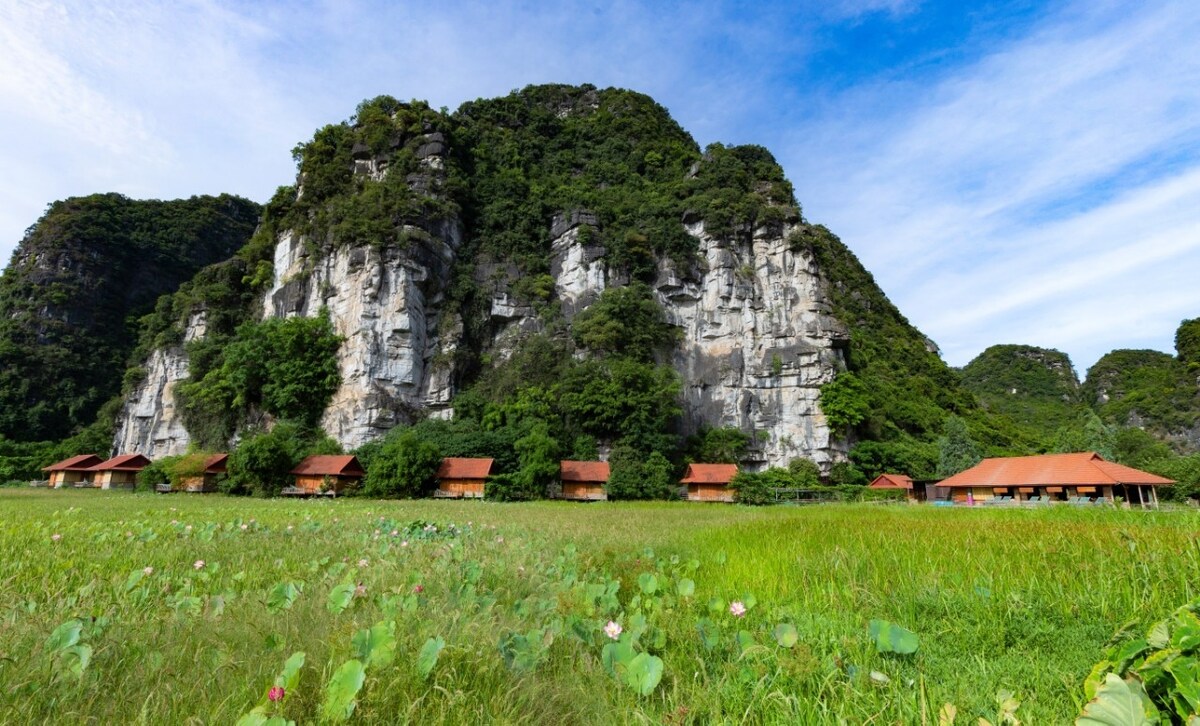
(1086, 468)
(344, 465)
(891, 481)
(124, 462)
(460, 468)
(216, 464)
(591, 471)
(82, 462)
(709, 474)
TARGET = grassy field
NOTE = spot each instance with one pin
(188, 608)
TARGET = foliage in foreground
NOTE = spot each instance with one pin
(196, 607)
(1153, 679)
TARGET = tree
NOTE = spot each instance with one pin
(405, 466)
(1187, 341)
(636, 475)
(537, 452)
(845, 402)
(721, 446)
(261, 462)
(957, 451)
(1094, 435)
(625, 321)
(805, 473)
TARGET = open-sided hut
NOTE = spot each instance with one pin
(119, 471)
(215, 469)
(584, 480)
(75, 471)
(463, 478)
(326, 475)
(1053, 477)
(895, 482)
(709, 482)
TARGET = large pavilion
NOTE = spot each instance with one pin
(1053, 477)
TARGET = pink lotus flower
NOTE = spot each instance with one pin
(55, 537)
(148, 571)
(737, 609)
(245, 527)
(613, 629)
(404, 543)
(363, 563)
(360, 590)
(418, 589)
(129, 534)
(395, 532)
(198, 564)
(276, 694)
(289, 528)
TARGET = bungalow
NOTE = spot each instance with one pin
(73, 471)
(462, 478)
(583, 480)
(895, 482)
(326, 475)
(1053, 477)
(709, 482)
(119, 471)
(215, 469)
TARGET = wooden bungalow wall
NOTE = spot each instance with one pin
(709, 493)
(462, 487)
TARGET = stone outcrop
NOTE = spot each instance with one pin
(758, 343)
(151, 422)
(386, 305)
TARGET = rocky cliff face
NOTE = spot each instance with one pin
(380, 248)
(758, 344)
(150, 422)
(386, 305)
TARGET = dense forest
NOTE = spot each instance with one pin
(74, 290)
(100, 282)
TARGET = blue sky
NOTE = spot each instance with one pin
(1011, 172)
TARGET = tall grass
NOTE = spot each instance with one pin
(1002, 600)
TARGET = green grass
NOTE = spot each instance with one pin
(1017, 600)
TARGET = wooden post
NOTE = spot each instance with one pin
(1154, 496)
(1141, 502)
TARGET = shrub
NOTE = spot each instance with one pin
(158, 472)
(406, 466)
(634, 475)
(754, 488)
(261, 462)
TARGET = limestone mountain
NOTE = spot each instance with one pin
(1149, 389)
(1034, 387)
(75, 287)
(562, 262)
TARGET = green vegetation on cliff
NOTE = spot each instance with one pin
(80, 278)
(1146, 388)
(1035, 387)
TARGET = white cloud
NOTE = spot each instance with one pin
(1026, 185)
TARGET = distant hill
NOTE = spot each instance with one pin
(71, 296)
(1151, 390)
(1036, 387)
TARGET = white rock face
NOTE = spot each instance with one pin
(150, 423)
(386, 304)
(758, 343)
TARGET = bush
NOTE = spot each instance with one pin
(844, 473)
(405, 466)
(805, 473)
(260, 464)
(634, 475)
(158, 472)
(751, 487)
(511, 487)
